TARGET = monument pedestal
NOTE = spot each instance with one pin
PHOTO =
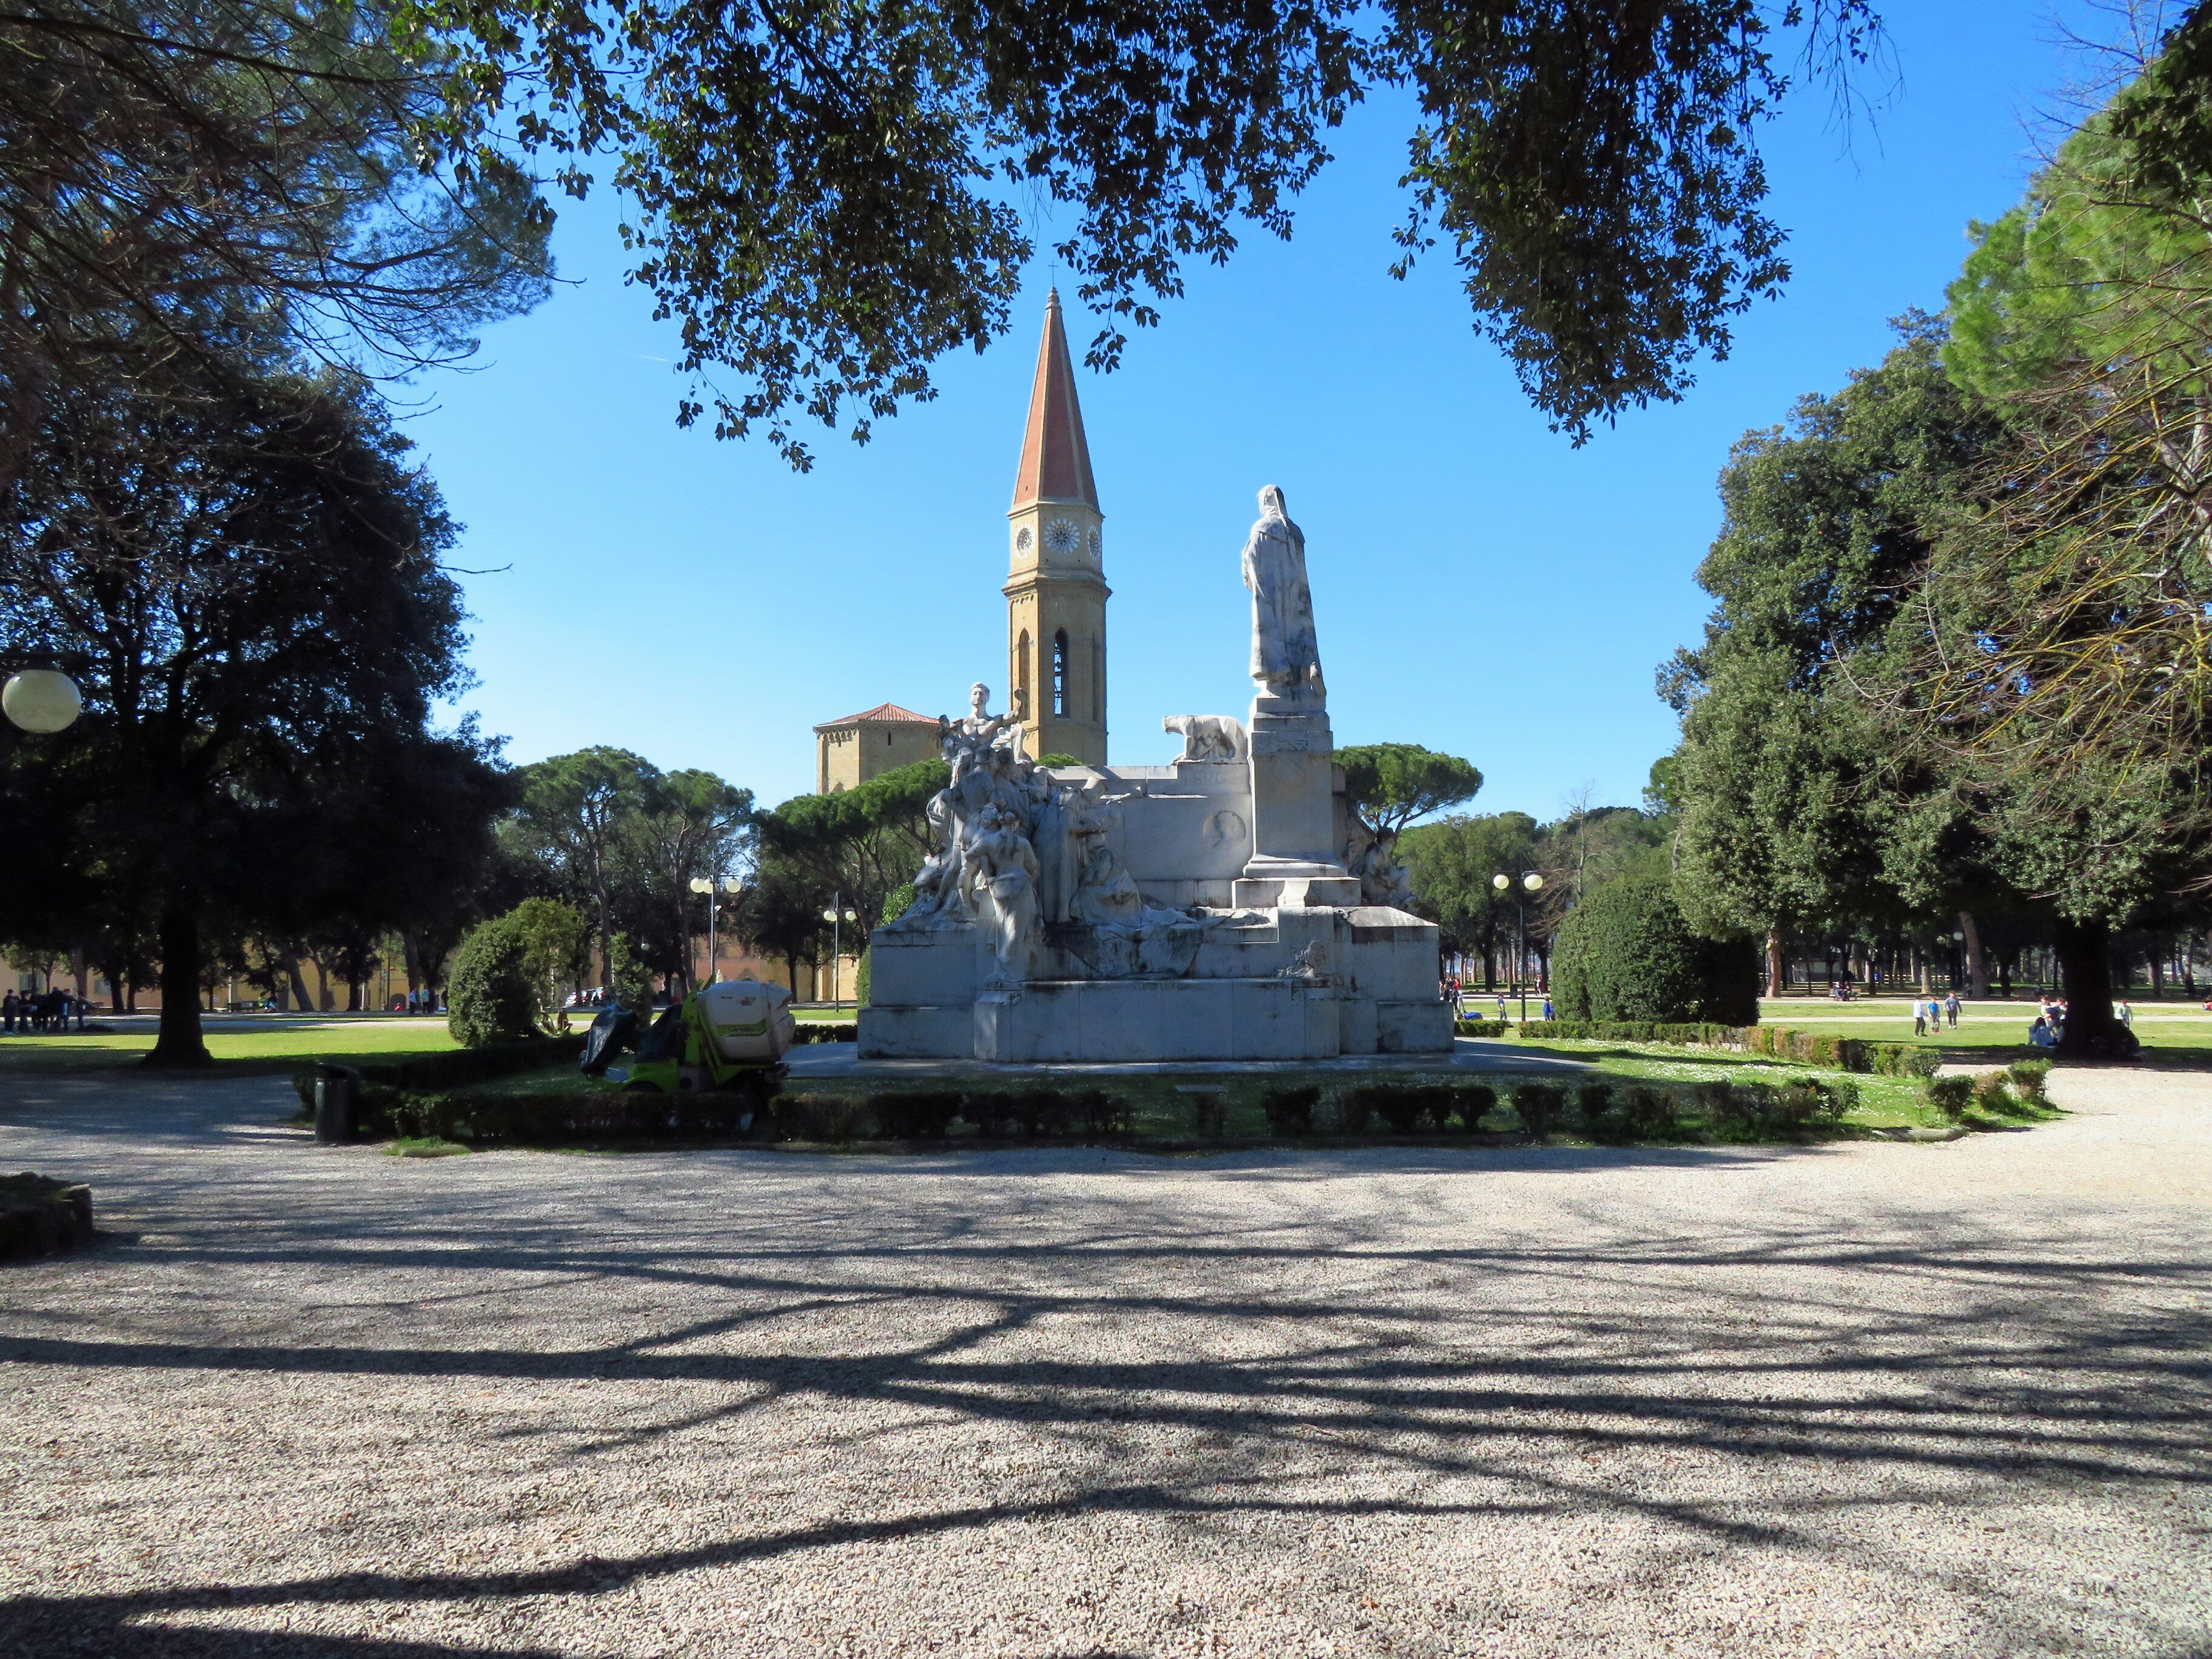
(1293, 859)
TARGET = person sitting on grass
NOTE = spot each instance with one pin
(2041, 1034)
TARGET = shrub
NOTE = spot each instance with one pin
(1478, 1027)
(1993, 1093)
(1951, 1095)
(1700, 1034)
(827, 1030)
(1474, 1102)
(453, 1069)
(1289, 1111)
(1209, 1113)
(1591, 1102)
(1643, 1113)
(1404, 1106)
(914, 1114)
(629, 980)
(1625, 953)
(2031, 1077)
(489, 998)
(1538, 1105)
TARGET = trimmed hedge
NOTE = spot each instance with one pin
(829, 1031)
(458, 1067)
(1483, 1028)
(1625, 953)
(1703, 1035)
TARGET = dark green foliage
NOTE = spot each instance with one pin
(1625, 952)
(836, 1119)
(1209, 1114)
(1538, 1106)
(1053, 759)
(488, 995)
(2032, 1077)
(454, 1070)
(1951, 1096)
(1405, 1107)
(1786, 780)
(554, 1118)
(240, 567)
(916, 1113)
(1704, 1035)
(1390, 784)
(1592, 1102)
(1289, 1111)
(827, 1030)
(1472, 1101)
(1643, 1113)
(828, 200)
(1478, 1027)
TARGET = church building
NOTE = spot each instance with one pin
(1056, 596)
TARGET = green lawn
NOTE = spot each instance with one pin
(1989, 1033)
(238, 1042)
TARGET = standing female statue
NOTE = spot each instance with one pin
(1286, 657)
(999, 873)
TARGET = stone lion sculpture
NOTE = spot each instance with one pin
(1209, 737)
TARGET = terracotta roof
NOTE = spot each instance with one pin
(1055, 460)
(881, 713)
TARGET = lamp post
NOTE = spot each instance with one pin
(835, 916)
(706, 884)
(41, 700)
(1530, 881)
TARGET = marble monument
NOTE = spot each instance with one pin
(1225, 906)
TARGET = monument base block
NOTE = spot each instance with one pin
(1161, 1020)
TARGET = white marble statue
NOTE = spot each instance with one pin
(999, 873)
(1209, 737)
(976, 733)
(1285, 657)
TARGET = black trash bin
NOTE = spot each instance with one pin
(337, 1087)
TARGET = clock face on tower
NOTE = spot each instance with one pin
(1061, 537)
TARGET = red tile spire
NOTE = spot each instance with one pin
(1055, 460)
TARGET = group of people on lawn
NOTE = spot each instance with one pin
(41, 1010)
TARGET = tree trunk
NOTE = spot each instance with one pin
(1775, 975)
(178, 1042)
(1977, 965)
(288, 964)
(2083, 950)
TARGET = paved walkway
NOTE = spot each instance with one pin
(1874, 1399)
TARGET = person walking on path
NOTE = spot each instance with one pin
(1950, 1009)
(1919, 1018)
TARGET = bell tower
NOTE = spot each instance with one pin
(1055, 588)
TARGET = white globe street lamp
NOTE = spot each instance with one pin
(836, 915)
(41, 700)
(704, 885)
(1530, 882)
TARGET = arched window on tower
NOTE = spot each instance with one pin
(1022, 675)
(1060, 673)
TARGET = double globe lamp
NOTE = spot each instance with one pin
(1530, 881)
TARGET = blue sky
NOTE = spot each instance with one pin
(1479, 585)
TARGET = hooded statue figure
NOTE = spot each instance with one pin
(1285, 659)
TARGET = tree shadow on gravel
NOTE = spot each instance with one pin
(1912, 1358)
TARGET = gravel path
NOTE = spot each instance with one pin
(1878, 1399)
